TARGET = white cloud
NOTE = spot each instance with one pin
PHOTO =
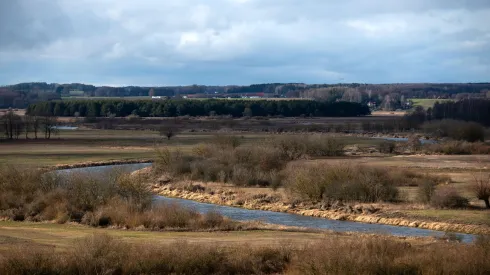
(246, 41)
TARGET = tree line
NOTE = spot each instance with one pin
(174, 108)
(14, 126)
(477, 110)
(357, 92)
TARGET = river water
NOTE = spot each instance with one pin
(278, 218)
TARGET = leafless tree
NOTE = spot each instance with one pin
(49, 126)
(481, 188)
(168, 131)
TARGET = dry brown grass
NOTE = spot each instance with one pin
(102, 254)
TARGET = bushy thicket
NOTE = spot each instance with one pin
(115, 199)
(448, 197)
(455, 129)
(102, 254)
(225, 160)
(351, 182)
(173, 108)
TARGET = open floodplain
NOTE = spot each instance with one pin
(281, 172)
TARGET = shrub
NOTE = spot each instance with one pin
(221, 161)
(387, 147)
(356, 256)
(226, 141)
(481, 188)
(167, 131)
(341, 182)
(30, 260)
(448, 197)
(114, 199)
(135, 190)
(297, 147)
(425, 191)
(414, 142)
(174, 163)
(103, 254)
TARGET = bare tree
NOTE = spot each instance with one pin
(28, 122)
(11, 124)
(167, 131)
(49, 126)
(481, 188)
(36, 125)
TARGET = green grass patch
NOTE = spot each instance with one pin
(427, 102)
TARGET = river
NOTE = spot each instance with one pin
(278, 217)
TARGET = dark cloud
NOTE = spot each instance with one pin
(30, 23)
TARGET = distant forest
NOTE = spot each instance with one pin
(468, 110)
(381, 96)
(173, 108)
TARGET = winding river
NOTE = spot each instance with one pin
(277, 217)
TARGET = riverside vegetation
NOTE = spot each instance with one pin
(274, 163)
(116, 199)
(309, 175)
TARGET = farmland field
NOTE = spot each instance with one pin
(427, 103)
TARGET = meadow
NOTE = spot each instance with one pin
(289, 171)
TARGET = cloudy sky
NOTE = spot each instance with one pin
(219, 42)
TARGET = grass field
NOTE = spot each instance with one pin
(86, 145)
(106, 98)
(149, 98)
(62, 236)
(427, 103)
(457, 216)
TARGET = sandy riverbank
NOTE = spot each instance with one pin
(364, 213)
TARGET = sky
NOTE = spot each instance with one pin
(242, 42)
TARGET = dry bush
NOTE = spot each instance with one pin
(297, 147)
(174, 163)
(425, 191)
(341, 182)
(121, 214)
(353, 182)
(481, 188)
(113, 199)
(97, 254)
(135, 190)
(102, 254)
(403, 177)
(384, 256)
(387, 147)
(30, 260)
(448, 197)
(222, 161)
(414, 143)
(226, 141)
(225, 160)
